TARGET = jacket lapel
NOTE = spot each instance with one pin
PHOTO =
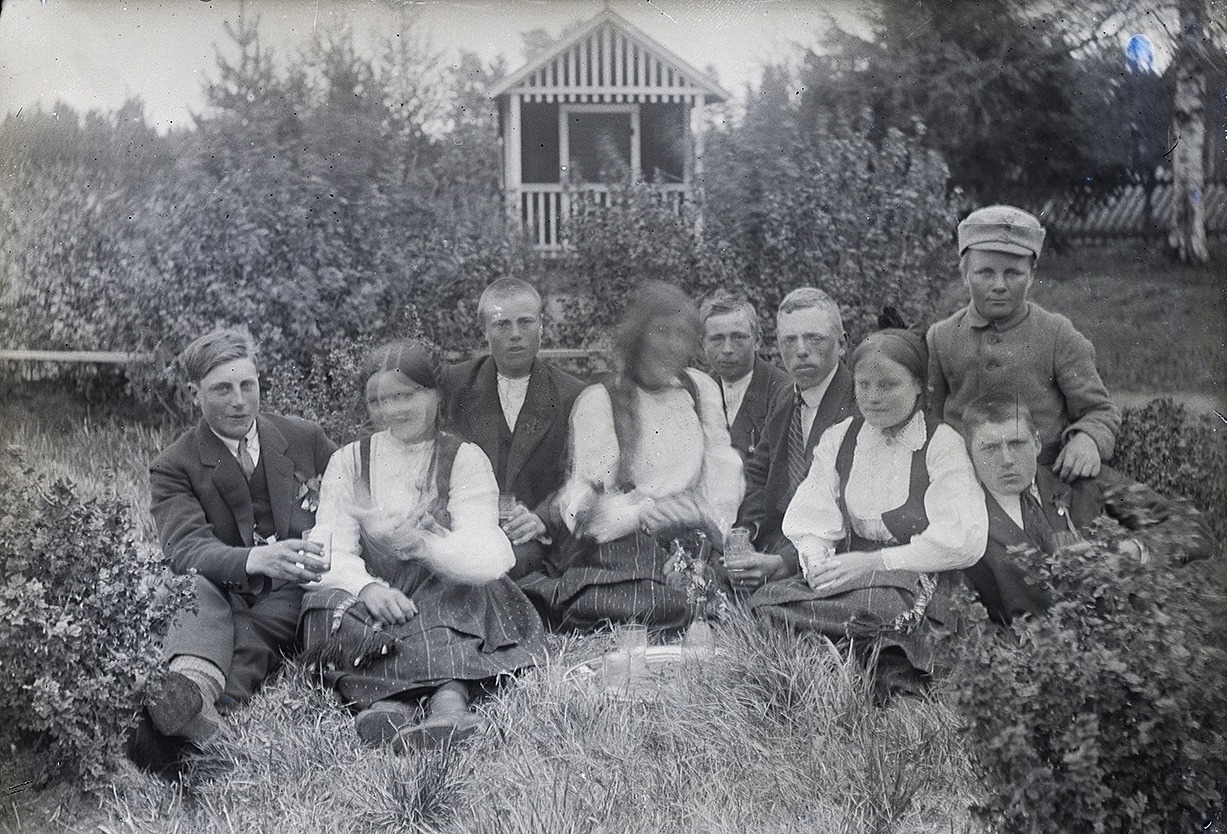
(833, 407)
(1055, 499)
(279, 473)
(536, 417)
(485, 415)
(228, 479)
(754, 402)
(1002, 528)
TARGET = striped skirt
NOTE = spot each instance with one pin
(621, 581)
(868, 612)
(461, 632)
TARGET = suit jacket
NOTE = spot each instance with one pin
(1008, 588)
(766, 381)
(202, 504)
(766, 470)
(536, 461)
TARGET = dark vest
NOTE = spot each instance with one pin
(906, 520)
(385, 563)
(261, 503)
(446, 446)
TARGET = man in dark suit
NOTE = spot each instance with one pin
(231, 498)
(748, 384)
(1030, 508)
(518, 410)
(810, 332)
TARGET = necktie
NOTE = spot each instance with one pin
(796, 446)
(245, 462)
(1035, 523)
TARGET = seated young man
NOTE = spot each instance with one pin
(1001, 341)
(1028, 506)
(230, 498)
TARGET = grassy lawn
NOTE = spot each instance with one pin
(1157, 327)
(775, 734)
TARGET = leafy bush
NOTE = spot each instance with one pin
(797, 202)
(83, 604)
(841, 205)
(1106, 714)
(1177, 452)
(635, 237)
(309, 204)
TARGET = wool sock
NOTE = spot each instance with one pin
(210, 680)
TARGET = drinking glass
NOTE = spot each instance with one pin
(616, 670)
(737, 544)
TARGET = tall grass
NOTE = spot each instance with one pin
(772, 734)
(775, 734)
(104, 451)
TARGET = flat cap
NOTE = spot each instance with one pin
(1001, 229)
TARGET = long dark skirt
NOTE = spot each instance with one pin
(864, 612)
(621, 581)
(461, 632)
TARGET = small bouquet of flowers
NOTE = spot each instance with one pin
(688, 569)
(308, 496)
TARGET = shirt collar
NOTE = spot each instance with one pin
(252, 436)
(812, 397)
(514, 382)
(911, 436)
(737, 384)
(980, 322)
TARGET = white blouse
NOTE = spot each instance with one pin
(474, 551)
(674, 453)
(878, 482)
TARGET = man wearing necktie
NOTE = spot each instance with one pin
(231, 498)
(517, 409)
(812, 341)
(748, 384)
(1030, 507)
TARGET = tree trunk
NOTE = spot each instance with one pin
(1187, 236)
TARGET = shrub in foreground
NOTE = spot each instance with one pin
(83, 604)
(1169, 448)
(1105, 715)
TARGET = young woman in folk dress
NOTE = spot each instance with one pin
(417, 600)
(890, 498)
(651, 460)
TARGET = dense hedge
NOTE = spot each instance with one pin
(1106, 715)
(1178, 452)
(83, 605)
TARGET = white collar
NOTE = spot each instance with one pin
(911, 436)
(812, 397)
(252, 437)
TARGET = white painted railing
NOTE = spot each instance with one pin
(545, 209)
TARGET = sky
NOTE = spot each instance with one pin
(94, 54)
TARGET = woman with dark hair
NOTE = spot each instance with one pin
(417, 600)
(890, 498)
(651, 462)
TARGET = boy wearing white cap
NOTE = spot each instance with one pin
(1003, 342)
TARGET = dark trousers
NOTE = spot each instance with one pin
(244, 635)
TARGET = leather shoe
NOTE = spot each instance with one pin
(382, 721)
(180, 709)
(439, 731)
